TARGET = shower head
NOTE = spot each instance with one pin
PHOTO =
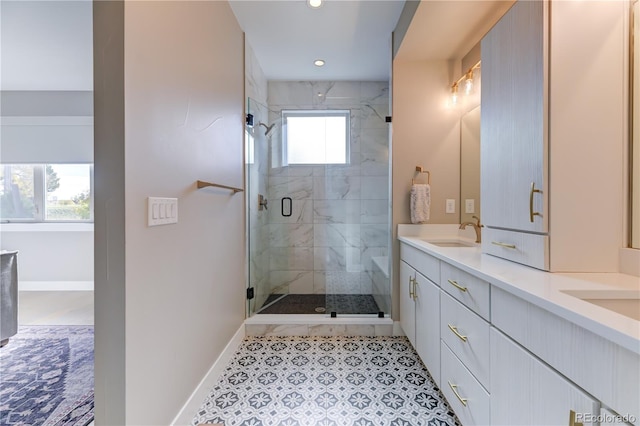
(268, 128)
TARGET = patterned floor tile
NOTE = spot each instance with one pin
(325, 381)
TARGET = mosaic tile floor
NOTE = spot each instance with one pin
(325, 381)
(307, 304)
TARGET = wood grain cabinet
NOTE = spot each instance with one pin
(607, 371)
(553, 134)
(464, 334)
(502, 360)
(407, 303)
(420, 306)
(525, 391)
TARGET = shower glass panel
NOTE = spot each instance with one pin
(323, 245)
(256, 163)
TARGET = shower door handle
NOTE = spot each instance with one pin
(262, 202)
(284, 203)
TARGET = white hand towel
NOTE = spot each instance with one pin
(420, 202)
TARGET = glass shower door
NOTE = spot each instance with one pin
(256, 163)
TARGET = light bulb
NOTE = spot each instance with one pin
(314, 3)
(468, 83)
(454, 94)
(318, 63)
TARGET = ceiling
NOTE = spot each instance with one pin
(353, 37)
(47, 45)
(443, 29)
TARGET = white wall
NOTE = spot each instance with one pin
(38, 127)
(168, 298)
(52, 256)
(426, 132)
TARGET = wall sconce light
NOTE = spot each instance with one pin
(468, 84)
(454, 94)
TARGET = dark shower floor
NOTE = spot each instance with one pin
(307, 304)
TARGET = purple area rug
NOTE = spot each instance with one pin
(46, 377)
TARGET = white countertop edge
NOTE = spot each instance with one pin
(514, 278)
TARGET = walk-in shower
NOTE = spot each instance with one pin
(322, 162)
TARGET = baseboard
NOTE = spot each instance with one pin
(190, 408)
(630, 261)
(55, 285)
(397, 330)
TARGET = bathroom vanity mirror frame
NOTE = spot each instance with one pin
(634, 125)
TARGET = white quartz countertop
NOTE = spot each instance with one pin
(545, 289)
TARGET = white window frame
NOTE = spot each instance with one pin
(39, 197)
(286, 113)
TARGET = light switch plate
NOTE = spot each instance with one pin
(162, 211)
(451, 205)
(469, 205)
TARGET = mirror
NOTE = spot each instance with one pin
(470, 164)
(634, 141)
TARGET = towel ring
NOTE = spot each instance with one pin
(419, 169)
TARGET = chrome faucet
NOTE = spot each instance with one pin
(476, 227)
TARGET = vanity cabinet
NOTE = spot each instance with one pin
(464, 333)
(420, 306)
(467, 336)
(524, 391)
(514, 131)
(407, 302)
(506, 359)
(607, 371)
(468, 399)
(553, 135)
(427, 298)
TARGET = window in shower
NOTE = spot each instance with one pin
(316, 136)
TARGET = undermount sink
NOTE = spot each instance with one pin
(450, 243)
(624, 302)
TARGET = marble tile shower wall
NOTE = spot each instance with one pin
(340, 214)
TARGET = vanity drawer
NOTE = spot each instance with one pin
(471, 404)
(467, 335)
(471, 291)
(521, 247)
(427, 265)
(605, 370)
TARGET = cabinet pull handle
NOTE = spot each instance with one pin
(572, 419)
(415, 284)
(454, 388)
(455, 331)
(411, 281)
(505, 245)
(531, 212)
(456, 285)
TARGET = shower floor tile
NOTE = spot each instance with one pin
(309, 304)
(325, 381)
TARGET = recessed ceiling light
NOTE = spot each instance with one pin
(314, 3)
(318, 62)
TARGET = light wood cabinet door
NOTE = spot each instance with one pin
(407, 303)
(427, 304)
(524, 391)
(514, 119)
